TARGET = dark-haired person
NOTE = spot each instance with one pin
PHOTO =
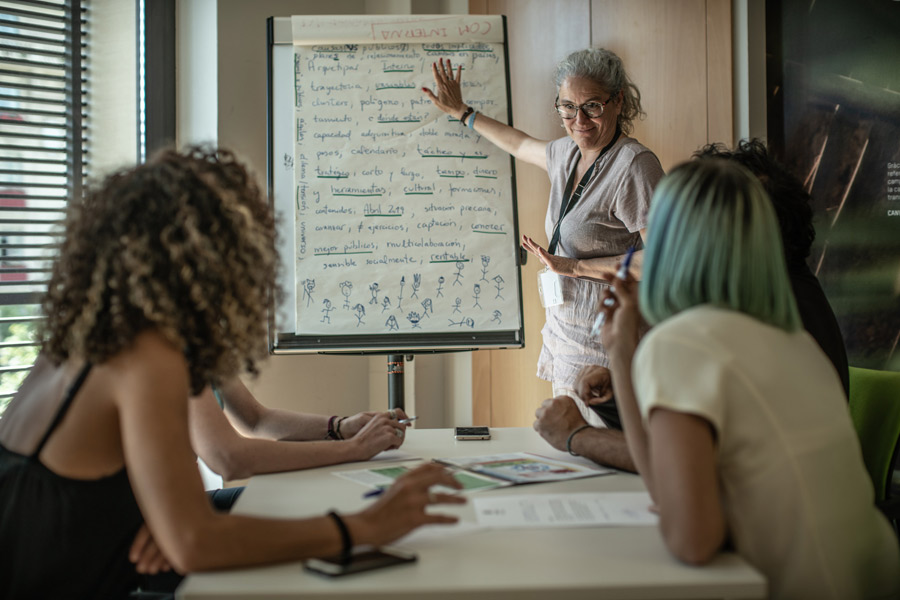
(795, 219)
(557, 418)
(735, 418)
(601, 181)
(160, 287)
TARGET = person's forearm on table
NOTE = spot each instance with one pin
(246, 457)
(235, 456)
(277, 424)
(604, 446)
(251, 417)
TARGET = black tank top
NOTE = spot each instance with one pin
(62, 537)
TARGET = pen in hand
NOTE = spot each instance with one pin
(622, 273)
(407, 420)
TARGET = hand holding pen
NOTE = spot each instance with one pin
(609, 301)
(623, 322)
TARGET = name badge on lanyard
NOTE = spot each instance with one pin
(550, 288)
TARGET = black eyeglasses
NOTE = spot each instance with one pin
(592, 110)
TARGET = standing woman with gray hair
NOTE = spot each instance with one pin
(601, 181)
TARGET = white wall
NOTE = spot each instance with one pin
(222, 97)
(196, 43)
(113, 89)
(749, 35)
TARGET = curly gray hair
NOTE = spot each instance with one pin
(606, 69)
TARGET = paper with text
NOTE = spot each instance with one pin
(404, 218)
(578, 509)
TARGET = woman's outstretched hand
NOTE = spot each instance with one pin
(402, 507)
(557, 264)
(449, 95)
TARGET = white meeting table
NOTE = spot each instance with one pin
(626, 562)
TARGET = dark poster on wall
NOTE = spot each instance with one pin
(833, 78)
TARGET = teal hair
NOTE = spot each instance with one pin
(713, 239)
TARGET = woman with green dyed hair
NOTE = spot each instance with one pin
(717, 242)
(735, 418)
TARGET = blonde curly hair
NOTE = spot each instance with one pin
(184, 245)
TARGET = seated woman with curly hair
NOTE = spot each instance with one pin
(161, 287)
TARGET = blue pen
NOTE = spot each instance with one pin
(621, 274)
(374, 493)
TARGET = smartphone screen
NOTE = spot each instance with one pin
(359, 562)
(473, 433)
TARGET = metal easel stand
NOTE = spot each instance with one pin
(395, 364)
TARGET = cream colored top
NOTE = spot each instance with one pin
(797, 498)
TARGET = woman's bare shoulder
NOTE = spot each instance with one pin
(150, 360)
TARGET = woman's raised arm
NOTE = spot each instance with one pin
(509, 139)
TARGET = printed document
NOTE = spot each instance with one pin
(524, 467)
(579, 509)
(383, 477)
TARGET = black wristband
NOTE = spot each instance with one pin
(346, 540)
(331, 434)
(571, 435)
(469, 111)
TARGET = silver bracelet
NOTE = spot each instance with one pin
(571, 435)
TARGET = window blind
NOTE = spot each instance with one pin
(43, 126)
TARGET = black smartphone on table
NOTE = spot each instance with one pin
(473, 433)
(358, 562)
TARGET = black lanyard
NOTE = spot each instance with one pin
(569, 199)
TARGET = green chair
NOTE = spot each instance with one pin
(875, 409)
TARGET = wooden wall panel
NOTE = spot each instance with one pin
(540, 34)
(663, 46)
(720, 82)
